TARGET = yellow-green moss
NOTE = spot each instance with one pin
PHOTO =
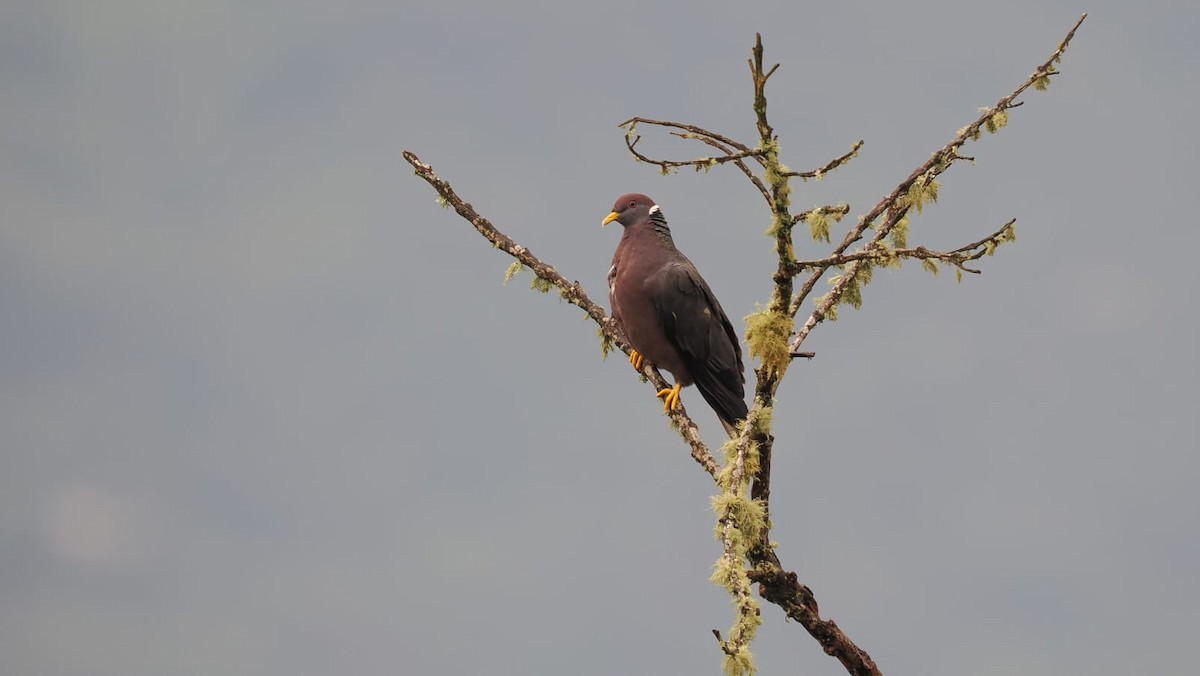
(997, 121)
(606, 341)
(512, 271)
(818, 225)
(541, 284)
(899, 233)
(767, 335)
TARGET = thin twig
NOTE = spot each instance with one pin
(828, 210)
(829, 166)
(630, 124)
(699, 163)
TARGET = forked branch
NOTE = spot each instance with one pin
(748, 555)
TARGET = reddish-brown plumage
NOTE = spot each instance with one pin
(668, 312)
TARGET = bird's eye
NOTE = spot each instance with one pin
(632, 204)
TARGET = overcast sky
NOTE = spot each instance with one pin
(266, 409)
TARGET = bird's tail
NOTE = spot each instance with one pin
(726, 402)
(730, 429)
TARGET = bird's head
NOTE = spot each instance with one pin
(630, 209)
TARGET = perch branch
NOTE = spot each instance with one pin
(572, 292)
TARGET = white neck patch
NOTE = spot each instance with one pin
(654, 209)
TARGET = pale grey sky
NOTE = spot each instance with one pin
(266, 409)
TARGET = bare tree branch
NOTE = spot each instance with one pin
(956, 257)
(631, 124)
(900, 200)
(784, 590)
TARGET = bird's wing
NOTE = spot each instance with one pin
(694, 322)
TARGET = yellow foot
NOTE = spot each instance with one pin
(636, 359)
(670, 397)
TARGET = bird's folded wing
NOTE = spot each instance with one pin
(694, 322)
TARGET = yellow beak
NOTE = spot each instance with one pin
(609, 219)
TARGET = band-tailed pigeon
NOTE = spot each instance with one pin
(669, 315)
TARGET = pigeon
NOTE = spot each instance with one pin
(670, 316)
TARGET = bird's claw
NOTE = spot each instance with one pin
(670, 397)
(636, 359)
